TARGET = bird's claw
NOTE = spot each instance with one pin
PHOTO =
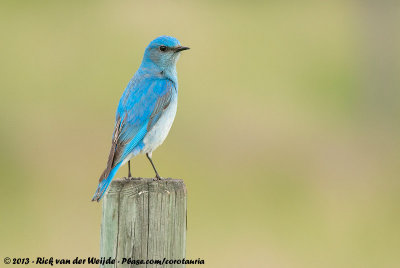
(158, 178)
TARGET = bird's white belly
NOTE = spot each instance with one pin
(157, 134)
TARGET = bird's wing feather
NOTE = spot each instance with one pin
(140, 107)
(161, 104)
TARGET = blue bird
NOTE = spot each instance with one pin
(146, 109)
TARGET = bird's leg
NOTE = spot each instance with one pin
(151, 161)
(129, 169)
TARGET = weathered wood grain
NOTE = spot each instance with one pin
(144, 219)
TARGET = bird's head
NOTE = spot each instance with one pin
(164, 52)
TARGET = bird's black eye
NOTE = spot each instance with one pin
(163, 48)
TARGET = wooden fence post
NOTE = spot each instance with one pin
(144, 219)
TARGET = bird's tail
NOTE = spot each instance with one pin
(103, 184)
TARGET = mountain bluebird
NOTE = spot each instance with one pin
(146, 109)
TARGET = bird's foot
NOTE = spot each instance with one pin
(158, 178)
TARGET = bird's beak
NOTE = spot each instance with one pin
(181, 48)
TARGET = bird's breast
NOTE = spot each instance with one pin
(157, 134)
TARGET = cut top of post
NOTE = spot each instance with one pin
(144, 219)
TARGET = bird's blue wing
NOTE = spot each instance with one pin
(140, 107)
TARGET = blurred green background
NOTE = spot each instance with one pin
(287, 131)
